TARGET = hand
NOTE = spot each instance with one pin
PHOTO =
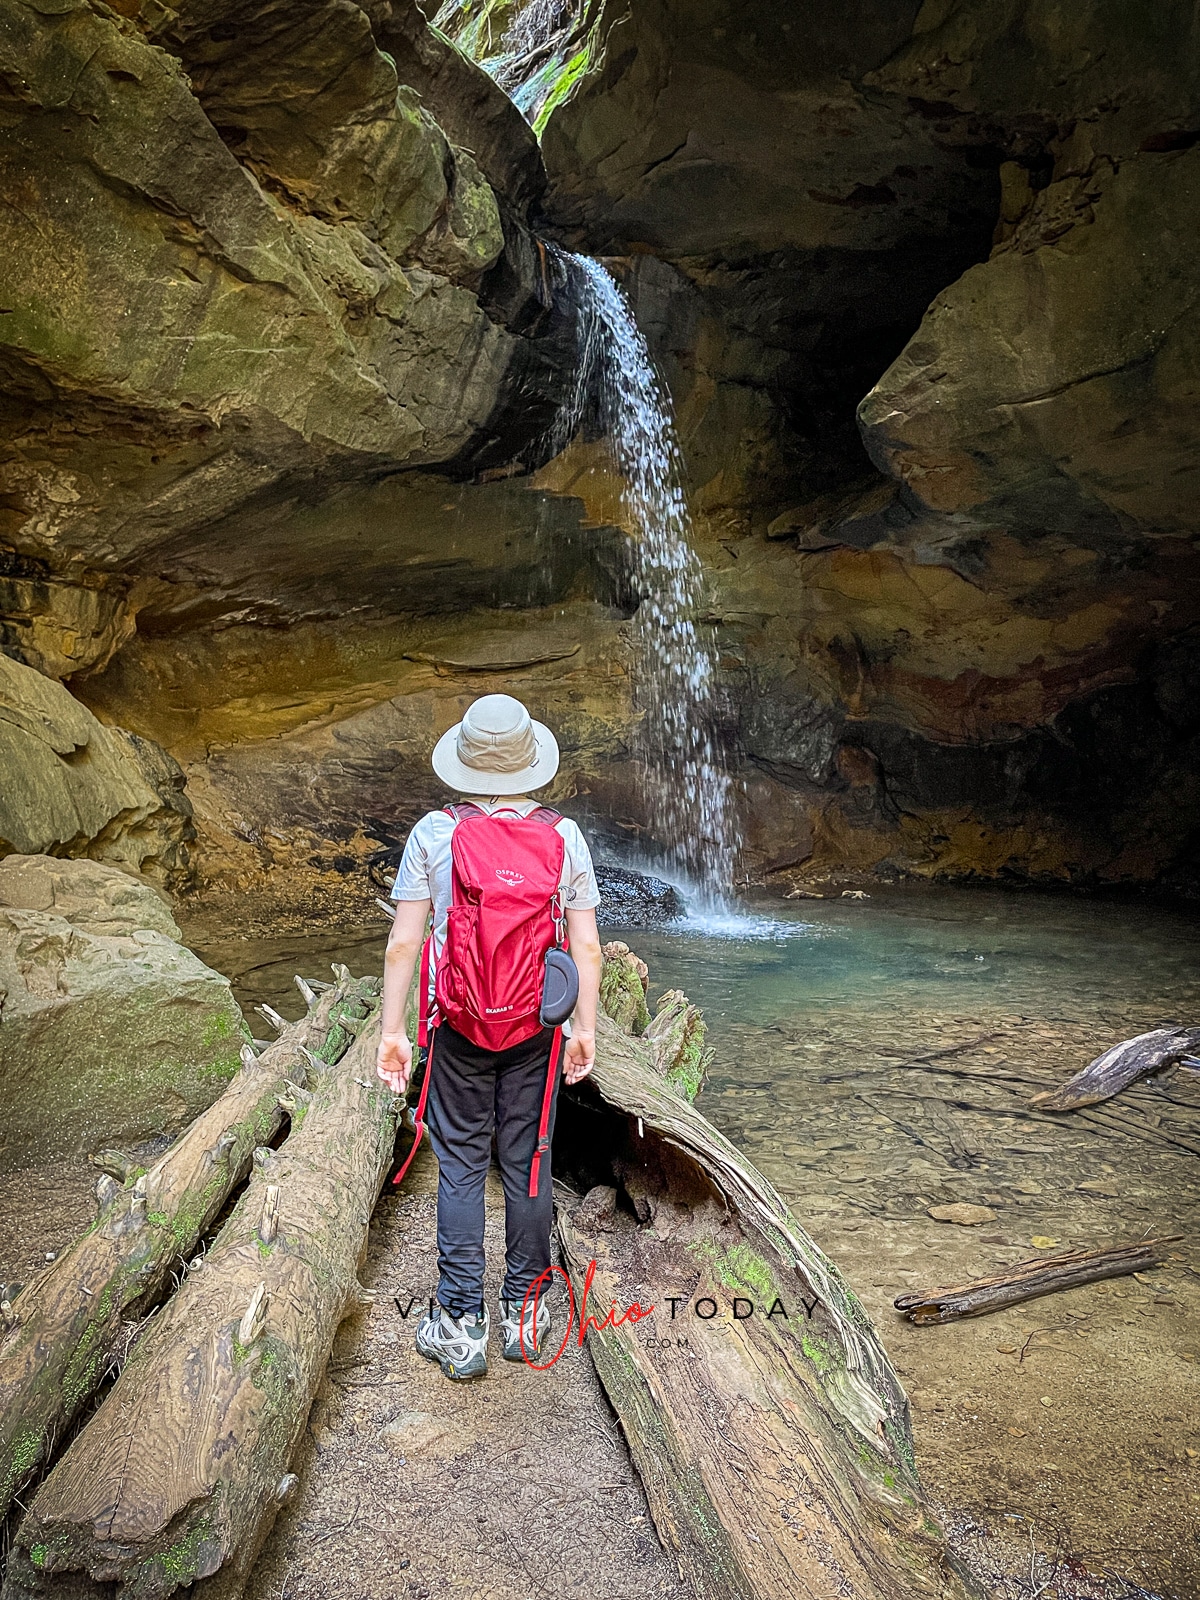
(580, 1055)
(393, 1061)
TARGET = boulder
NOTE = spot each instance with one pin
(113, 1033)
(90, 895)
(75, 787)
(1091, 434)
(300, 281)
(635, 899)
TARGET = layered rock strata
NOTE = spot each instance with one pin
(966, 648)
(281, 376)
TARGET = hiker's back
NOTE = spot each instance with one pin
(505, 913)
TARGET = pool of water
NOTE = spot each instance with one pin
(827, 1019)
(932, 947)
(916, 946)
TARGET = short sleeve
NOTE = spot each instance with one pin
(579, 875)
(412, 878)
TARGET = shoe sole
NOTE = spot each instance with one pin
(448, 1368)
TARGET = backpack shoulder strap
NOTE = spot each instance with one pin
(546, 814)
(462, 809)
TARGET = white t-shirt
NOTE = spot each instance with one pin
(426, 867)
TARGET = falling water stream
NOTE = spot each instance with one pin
(533, 26)
(686, 788)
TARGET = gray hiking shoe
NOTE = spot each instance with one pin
(524, 1339)
(457, 1344)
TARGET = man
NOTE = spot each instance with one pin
(493, 758)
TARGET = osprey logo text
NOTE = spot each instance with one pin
(508, 876)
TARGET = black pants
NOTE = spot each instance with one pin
(472, 1093)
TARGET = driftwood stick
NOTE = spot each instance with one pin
(65, 1326)
(1120, 1066)
(1029, 1279)
(180, 1473)
(1111, 1121)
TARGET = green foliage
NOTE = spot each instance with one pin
(83, 1368)
(817, 1351)
(180, 1560)
(561, 86)
(741, 1269)
(481, 29)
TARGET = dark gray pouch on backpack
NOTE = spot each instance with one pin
(560, 989)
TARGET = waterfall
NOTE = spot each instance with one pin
(686, 788)
(534, 26)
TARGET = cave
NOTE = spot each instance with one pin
(947, 554)
(346, 344)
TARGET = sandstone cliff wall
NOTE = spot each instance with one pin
(283, 348)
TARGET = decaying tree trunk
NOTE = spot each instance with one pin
(181, 1471)
(677, 1036)
(1029, 1279)
(623, 983)
(767, 1423)
(64, 1327)
(1117, 1068)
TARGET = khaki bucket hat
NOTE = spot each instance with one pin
(496, 749)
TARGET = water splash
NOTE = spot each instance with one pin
(686, 788)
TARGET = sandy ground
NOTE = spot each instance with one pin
(515, 1487)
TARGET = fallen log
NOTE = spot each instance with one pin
(1027, 1280)
(65, 1326)
(769, 1427)
(1120, 1066)
(179, 1474)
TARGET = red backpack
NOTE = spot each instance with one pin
(505, 913)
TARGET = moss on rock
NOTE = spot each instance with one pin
(111, 1037)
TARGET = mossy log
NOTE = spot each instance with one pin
(623, 981)
(676, 1035)
(1120, 1066)
(767, 1423)
(65, 1327)
(179, 1474)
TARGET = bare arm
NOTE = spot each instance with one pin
(580, 1055)
(393, 1061)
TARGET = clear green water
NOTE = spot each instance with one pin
(918, 947)
(820, 1022)
(937, 948)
